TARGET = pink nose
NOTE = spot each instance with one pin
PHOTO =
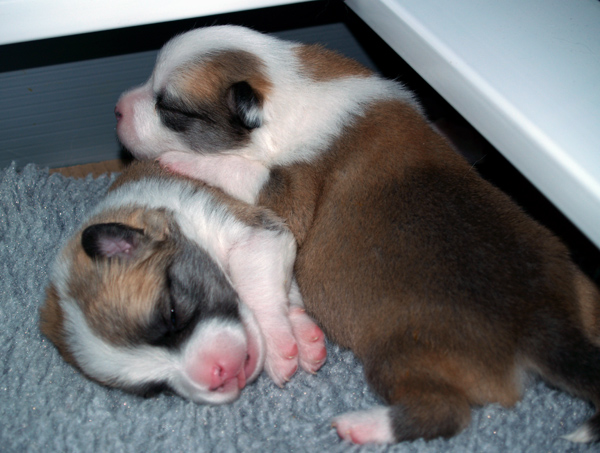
(225, 371)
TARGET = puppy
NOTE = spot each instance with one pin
(171, 284)
(448, 293)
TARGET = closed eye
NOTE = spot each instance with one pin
(173, 318)
(166, 106)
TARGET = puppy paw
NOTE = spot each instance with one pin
(310, 338)
(363, 427)
(282, 358)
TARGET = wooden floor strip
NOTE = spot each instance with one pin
(96, 169)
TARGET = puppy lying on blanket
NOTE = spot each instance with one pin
(448, 293)
(170, 283)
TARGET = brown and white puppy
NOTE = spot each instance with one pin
(448, 293)
(172, 284)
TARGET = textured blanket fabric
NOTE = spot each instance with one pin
(45, 405)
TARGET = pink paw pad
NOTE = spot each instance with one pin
(311, 340)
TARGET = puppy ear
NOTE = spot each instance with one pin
(245, 105)
(110, 240)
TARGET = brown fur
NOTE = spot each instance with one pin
(321, 64)
(209, 79)
(433, 277)
(587, 297)
(447, 292)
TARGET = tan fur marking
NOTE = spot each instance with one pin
(208, 80)
(481, 386)
(116, 296)
(322, 64)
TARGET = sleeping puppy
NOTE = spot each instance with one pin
(171, 284)
(448, 293)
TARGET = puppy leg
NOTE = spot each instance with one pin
(261, 269)
(423, 407)
(237, 176)
(310, 338)
(425, 401)
(568, 359)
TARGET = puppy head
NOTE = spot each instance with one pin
(206, 94)
(136, 305)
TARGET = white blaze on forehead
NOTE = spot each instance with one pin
(196, 44)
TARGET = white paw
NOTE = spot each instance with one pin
(363, 427)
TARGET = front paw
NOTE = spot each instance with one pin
(282, 357)
(310, 338)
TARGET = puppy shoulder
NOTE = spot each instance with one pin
(322, 64)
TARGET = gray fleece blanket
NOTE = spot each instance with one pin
(45, 405)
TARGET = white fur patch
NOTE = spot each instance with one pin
(581, 435)
(370, 426)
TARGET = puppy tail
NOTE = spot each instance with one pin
(588, 432)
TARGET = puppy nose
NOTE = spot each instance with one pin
(225, 371)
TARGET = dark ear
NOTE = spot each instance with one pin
(110, 240)
(245, 105)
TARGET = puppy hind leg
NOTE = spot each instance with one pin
(422, 407)
(569, 360)
(428, 408)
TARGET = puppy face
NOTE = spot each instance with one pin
(230, 90)
(204, 95)
(135, 304)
